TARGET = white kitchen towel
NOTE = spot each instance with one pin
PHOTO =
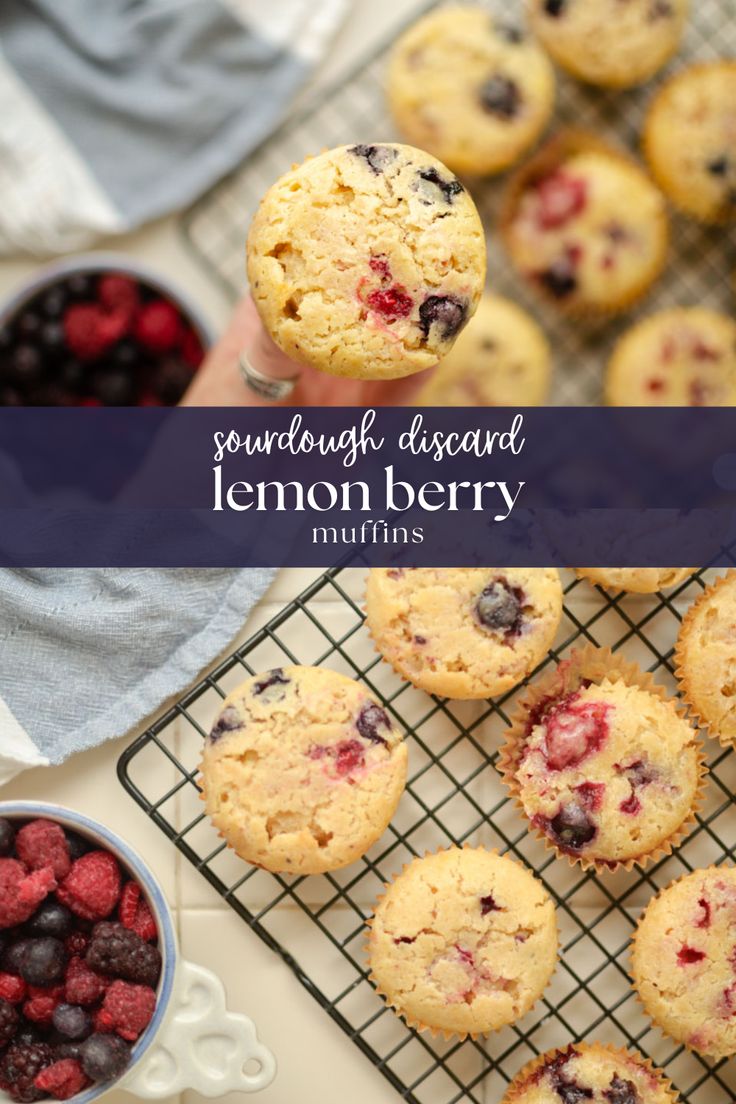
(88, 654)
(115, 113)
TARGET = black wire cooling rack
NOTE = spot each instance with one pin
(454, 795)
(702, 258)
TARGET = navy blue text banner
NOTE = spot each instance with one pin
(396, 487)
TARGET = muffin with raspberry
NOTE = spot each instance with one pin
(685, 356)
(706, 659)
(683, 962)
(593, 1072)
(474, 91)
(607, 43)
(690, 141)
(585, 226)
(605, 766)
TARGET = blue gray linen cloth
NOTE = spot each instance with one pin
(115, 112)
(87, 654)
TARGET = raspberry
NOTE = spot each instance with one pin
(20, 1066)
(135, 914)
(117, 951)
(21, 893)
(561, 198)
(129, 1008)
(83, 986)
(90, 331)
(41, 1003)
(43, 843)
(9, 1020)
(62, 1080)
(92, 887)
(118, 293)
(192, 352)
(12, 988)
(158, 327)
(392, 304)
(104, 1022)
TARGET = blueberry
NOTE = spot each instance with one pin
(43, 961)
(570, 1092)
(555, 8)
(51, 918)
(67, 1050)
(72, 1022)
(126, 354)
(273, 678)
(7, 837)
(104, 1057)
(719, 166)
(113, 387)
(370, 719)
(444, 311)
(488, 904)
(572, 828)
(28, 325)
(500, 607)
(6, 339)
(448, 188)
(560, 278)
(228, 721)
(26, 365)
(10, 397)
(51, 338)
(78, 846)
(622, 1092)
(171, 380)
(501, 96)
(377, 157)
(81, 285)
(72, 375)
(47, 394)
(54, 302)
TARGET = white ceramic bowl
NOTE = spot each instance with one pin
(192, 1041)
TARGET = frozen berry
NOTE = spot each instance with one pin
(171, 379)
(51, 339)
(125, 355)
(20, 892)
(378, 158)
(7, 837)
(118, 292)
(448, 188)
(28, 325)
(62, 1080)
(228, 721)
(54, 302)
(621, 1092)
(52, 918)
(572, 828)
(12, 988)
(273, 678)
(82, 985)
(371, 720)
(446, 312)
(81, 285)
(26, 366)
(113, 387)
(129, 1008)
(19, 1067)
(158, 326)
(43, 843)
(90, 330)
(9, 1021)
(12, 956)
(71, 1021)
(191, 349)
(135, 914)
(41, 1003)
(501, 96)
(104, 1057)
(92, 887)
(117, 951)
(500, 607)
(44, 961)
(72, 375)
(77, 845)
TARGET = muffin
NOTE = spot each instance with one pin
(585, 226)
(683, 963)
(604, 766)
(474, 92)
(636, 580)
(607, 43)
(367, 261)
(464, 633)
(463, 942)
(690, 141)
(685, 356)
(501, 359)
(302, 770)
(590, 1071)
(706, 659)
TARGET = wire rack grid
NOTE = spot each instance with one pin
(454, 796)
(702, 260)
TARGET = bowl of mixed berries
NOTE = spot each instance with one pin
(99, 330)
(93, 991)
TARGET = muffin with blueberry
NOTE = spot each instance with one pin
(690, 141)
(593, 1072)
(685, 356)
(464, 633)
(502, 358)
(605, 767)
(474, 91)
(607, 43)
(585, 226)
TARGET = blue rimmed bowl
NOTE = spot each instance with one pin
(192, 1041)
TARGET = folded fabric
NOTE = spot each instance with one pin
(113, 114)
(88, 654)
